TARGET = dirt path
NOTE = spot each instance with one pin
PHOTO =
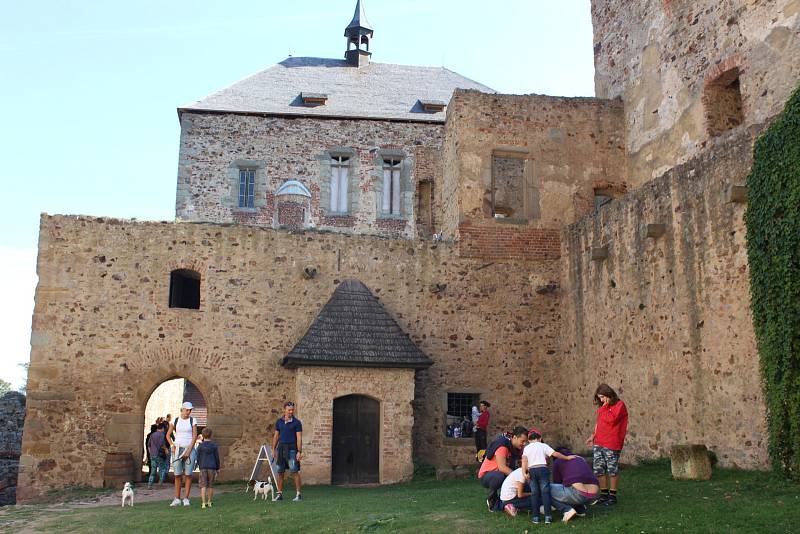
(25, 518)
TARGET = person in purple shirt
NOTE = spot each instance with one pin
(574, 486)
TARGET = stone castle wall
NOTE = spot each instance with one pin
(214, 146)
(660, 56)
(104, 337)
(12, 418)
(565, 149)
(665, 320)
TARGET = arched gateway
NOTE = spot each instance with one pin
(355, 383)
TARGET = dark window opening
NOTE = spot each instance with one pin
(722, 100)
(184, 289)
(508, 187)
(459, 414)
(601, 198)
(390, 204)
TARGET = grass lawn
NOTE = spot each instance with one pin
(650, 501)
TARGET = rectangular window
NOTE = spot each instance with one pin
(459, 414)
(390, 204)
(340, 177)
(508, 179)
(247, 188)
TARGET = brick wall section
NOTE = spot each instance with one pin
(12, 418)
(281, 149)
(569, 145)
(658, 55)
(666, 321)
(104, 337)
(509, 242)
(317, 387)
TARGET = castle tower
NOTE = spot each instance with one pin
(358, 34)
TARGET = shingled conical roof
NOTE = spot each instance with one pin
(354, 330)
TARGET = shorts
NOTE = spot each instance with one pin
(286, 458)
(605, 461)
(184, 466)
(207, 477)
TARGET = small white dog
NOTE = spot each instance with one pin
(263, 488)
(127, 494)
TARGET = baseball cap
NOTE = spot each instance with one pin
(187, 406)
(533, 431)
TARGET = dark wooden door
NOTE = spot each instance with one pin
(356, 431)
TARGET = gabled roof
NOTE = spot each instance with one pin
(354, 330)
(374, 91)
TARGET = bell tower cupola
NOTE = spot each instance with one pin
(359, 34)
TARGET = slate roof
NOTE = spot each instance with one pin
(374, 91)
(354, 330)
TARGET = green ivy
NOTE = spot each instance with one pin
(773, 250)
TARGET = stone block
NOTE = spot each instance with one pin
(736, 194)
(454, 473)
(599, 253)
(690, 462)
(654, 231)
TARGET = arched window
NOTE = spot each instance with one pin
(184, 289)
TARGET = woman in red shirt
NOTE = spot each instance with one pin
(607, 440)
(481, 430)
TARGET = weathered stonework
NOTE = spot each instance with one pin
(104, 336)
(659, 56)
(214, 146)
(12, 417)
(666, 319)
(569, 146)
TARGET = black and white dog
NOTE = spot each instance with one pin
(262, 488)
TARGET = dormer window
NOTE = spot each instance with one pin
(432, 106)
(314, 99)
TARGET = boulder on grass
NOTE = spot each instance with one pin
(690, 462)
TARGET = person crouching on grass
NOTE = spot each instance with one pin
(208, 462)
(607, 440)
(534, 468)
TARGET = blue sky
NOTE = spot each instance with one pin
(90, 89)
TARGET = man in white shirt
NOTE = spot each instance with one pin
(184, 455)
(515, 493)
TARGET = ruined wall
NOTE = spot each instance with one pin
(104, 337)
(661, 55)
(666, 320)
(562, 148)
(214, 146)
(12, 417)
(317, 387)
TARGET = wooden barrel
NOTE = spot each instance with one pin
(119, 469)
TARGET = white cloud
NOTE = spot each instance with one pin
(17, 286)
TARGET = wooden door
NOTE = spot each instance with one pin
(356, 431)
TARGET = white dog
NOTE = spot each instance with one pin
(127, 494)
(263, 488)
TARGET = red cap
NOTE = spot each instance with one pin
(533, 430)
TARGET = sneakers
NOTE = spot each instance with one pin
(203, 505)
(186, 502)
(175, 502)
(278, 496)
(611, 500)
(209, 504)
(535, 520)
(569, 515)
(548, 520)
(491, 502)
(297, 498)
(510, 509)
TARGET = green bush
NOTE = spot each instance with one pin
(773, 249)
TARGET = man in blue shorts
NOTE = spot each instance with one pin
(287, 442)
